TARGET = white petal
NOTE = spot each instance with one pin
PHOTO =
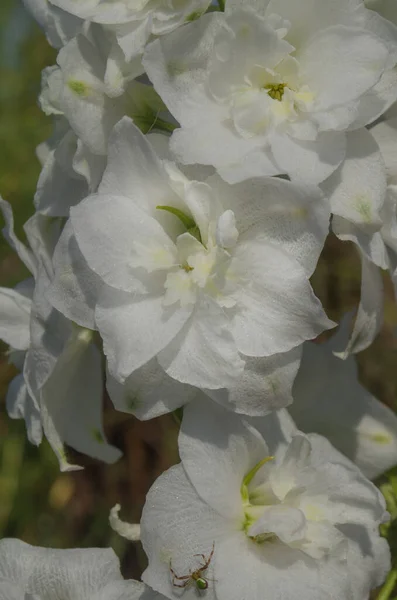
(377, 100)
(204, 206)
(381, 21)
(115, 225)
(134, 170)
(265, 385)
(88, 165)
(42, 234)
(204, 353)
(149, 392)
(126, 590)
(277, 309)
(385, 133)
(370, 311)
(12, 591)
(357, 189)
(289, 524)
(370, 243)
(329, 400)
(49, 573)
(57, 188)
(277, 428)
(177, 65)
(75, 287)
(133, 36)
(75, 388)
(310, 162)
(294, 216)
(227, 446)
(258, 5)
(15, 318)
(24, 254)
(389, 228)
(340, 63)
(176, 524)
(129, 531)
(255, 163)
(90, 112)
(134, 332)
(246, 570)
(49, 331)
(20, 405)
(216, 143)
(312, 16)
(226, 232)
(347, 495)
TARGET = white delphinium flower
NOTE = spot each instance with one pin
(58, 25)
(134, 21)
(265, 88)
(32, 572)
(89, 90)
(278, 516)
(265, 384)
(199, 275)
(329, 400)
(363, 198)
(60, 388)
(88, 86)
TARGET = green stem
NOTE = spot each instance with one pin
(389, 585)
(221, 5)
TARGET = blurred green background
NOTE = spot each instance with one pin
(37, 503)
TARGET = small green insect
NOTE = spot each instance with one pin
(195, 577)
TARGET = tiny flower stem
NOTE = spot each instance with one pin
(221, 5)
(388, 586)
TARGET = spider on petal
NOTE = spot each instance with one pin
(194, 577)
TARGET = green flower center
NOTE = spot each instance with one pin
(276, 90)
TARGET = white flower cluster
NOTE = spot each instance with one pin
(200, 158)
